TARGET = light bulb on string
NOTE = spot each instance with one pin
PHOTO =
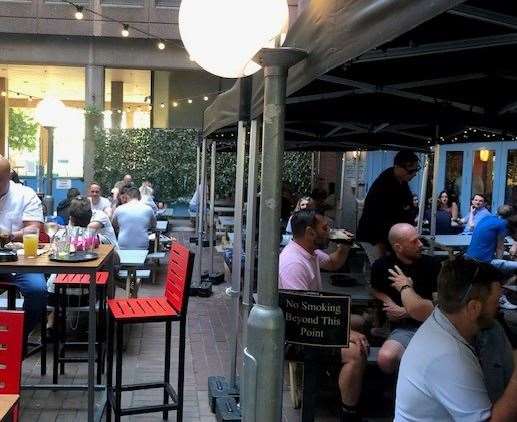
(174, 104)
(79, 15)
(162, 105)
(125, 30)
(205, 98)
(189, 101)
(161, 45)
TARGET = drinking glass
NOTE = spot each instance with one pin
(5, 233)
(90, 239)
(62, 244)
(30, 241)
(51, 227)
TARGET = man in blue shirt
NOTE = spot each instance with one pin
(487, 242)
(477, 212)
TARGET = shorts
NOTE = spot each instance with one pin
(403, 335)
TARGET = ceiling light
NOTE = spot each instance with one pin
(161, 45)
(125, 30)
(79, 13)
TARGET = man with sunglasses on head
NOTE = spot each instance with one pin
(445, 373)
(389, 201)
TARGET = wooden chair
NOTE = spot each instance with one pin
(11, 346)
(168, 308)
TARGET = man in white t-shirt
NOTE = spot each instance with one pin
(20, 207)
(133, 220)
(99, 203)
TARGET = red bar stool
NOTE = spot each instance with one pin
(61, 284)
(32, 348)
(11, 346)
(171, 307)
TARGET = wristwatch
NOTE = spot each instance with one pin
(405, 286)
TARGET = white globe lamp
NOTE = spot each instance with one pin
(49, 112)
(242, 28)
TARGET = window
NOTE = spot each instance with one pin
(510, 194)
(453, 174)
(483, 174)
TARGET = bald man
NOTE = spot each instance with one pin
(20, 207)
(406, 305)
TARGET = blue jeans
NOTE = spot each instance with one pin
(504, 265)
(33, 288)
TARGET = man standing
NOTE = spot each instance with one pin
(133, 220)
(99, 203)
(406, 307)
(477, 212)
(440, 377)
(127, 180)
(388, 202)
(20, 207)
(299, 269)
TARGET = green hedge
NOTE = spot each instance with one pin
(168, 159)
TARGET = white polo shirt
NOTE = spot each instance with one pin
(101, 205)
(440, 378)
(107, 231)
(18, 205)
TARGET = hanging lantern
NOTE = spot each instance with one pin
(484, 155)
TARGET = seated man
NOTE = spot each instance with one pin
(487, 242)
(405, 307)
(299, 269)
(99, 203)
(132, 220)
(440, 377)
(20, 207)
(477, 212)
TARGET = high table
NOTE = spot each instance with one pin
(131, 260)
(7, 404)
(359, 292)
(42, 264)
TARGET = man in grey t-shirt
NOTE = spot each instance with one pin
(132, 220)
(440, 377)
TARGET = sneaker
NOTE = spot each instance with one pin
(504, 303)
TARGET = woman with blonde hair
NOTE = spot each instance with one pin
(305, 202)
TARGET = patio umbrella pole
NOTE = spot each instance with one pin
(251, 216)
(201, 213)
(434, 203)
(261, 396)
(211, 227)
(423, 194)
(235, 289)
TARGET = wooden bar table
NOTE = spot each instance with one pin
(7, 405)
(42, 264)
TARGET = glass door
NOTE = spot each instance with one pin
(483, 174)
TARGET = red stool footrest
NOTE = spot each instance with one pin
(101, 278)
(141, 308)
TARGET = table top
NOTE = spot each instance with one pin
(161, 225)
(132, 257)
(359, 293)
(226, 221)
(45, 265)
(7, 401)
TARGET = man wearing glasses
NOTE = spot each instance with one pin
(388, 202)
(442, 376)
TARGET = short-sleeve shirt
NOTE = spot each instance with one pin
(483, 244)
(134, 219)
(479, 215)
(299, 269)
(107, 232)
(18, 205)
(424, 273)
(388, 202)
(101, 205)
(440, 378)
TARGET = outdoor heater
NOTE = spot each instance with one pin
(49, 113)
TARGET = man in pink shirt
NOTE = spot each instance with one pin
(299, 269)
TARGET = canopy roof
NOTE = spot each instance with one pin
(392, 74)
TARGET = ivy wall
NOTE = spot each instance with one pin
(168, 159)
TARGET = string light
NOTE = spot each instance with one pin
(189, 101)
(174, 104)
(205, 98)
(162, 105)
(79, 13)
